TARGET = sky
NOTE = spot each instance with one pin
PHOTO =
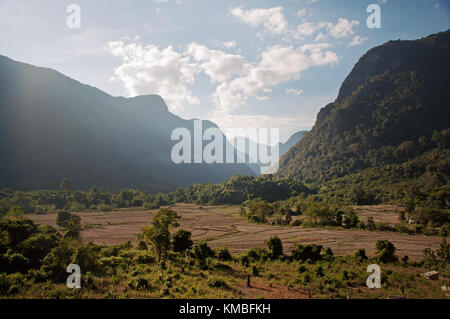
(240, 64)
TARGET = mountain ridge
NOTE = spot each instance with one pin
(53, 127)
(387, 111)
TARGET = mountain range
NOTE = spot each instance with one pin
(53, 127)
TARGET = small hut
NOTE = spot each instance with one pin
(433, 275)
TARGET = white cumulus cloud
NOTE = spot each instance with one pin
(273, 19)
(278, 64)
(342, 29)
(218, 65)
(151, 70)
(357, 40)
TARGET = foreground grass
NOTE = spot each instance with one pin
(134, 274)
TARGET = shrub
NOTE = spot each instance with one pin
(181, 240)
(57, 260)
(319, 271)
(301, 269)
(371, 224)
(18, 263)
(360, 255)
(258, 254)
(217, 283)
(86, 257)
(139, 283)
(245, 261)
(296, 223)
(37, 247)
(275, 247)
(311, 252)
(223, 254)
(202, 251)
(63, 219)
(385, 251)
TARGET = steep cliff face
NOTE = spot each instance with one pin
(393, 106)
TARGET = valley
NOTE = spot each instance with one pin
(223, 226)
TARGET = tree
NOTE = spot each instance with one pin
(63, 218)
(182, 241)
(351, 218)
(386, 251)
(158, 234)
(275, 247)
(71, 224)
(65, 185)
(14, 212)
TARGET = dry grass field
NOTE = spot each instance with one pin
(222, 226)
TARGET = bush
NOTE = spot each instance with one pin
(18, 263)
(258, 254)
(360, 255)
(57, 260)
(86, 257)
(37, 247)
(301, 269)
(255, 271)
(181, 240)
(141, 245)
(311, 252)
(275, 247)
(202, 251)
(139, 283)
(385, 251)
(245, 261)
(217, 283)
(63, 219)
(297, 222)
(223, 254)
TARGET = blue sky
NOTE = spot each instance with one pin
(259, 63)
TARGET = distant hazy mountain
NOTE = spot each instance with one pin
(53, 127)
(243, 145)
(392, 107)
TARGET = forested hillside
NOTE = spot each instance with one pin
(392, 108)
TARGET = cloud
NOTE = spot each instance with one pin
(307, 29)
(272, 18)
(342, 29)
(151, 70)
(229, 44)
(218, 65)
(294, 91)
(278, 64)
(301, 13)
(357, 40)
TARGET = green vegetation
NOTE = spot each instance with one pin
(391, 109)
(34, 260)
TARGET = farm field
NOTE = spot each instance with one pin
(223, 226)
